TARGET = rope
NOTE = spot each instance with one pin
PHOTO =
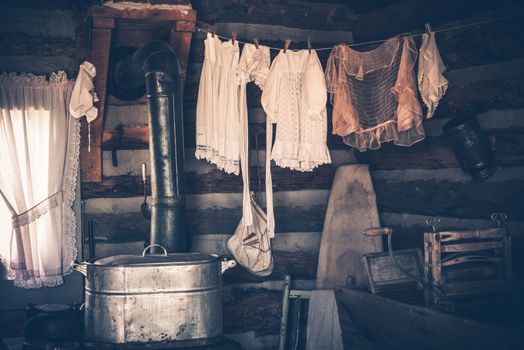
(445, 29)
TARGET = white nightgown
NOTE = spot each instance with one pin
(217, 113)
(294, 99)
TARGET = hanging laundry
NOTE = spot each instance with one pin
(294, 99)
(431, 83)
(374, 94)
(253, 67)
(84, 96)
(218, 136)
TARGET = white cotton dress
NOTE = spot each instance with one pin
(218, 113)
(294, 99)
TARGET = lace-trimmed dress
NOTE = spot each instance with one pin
(374, 94)
(217, 113)
(294, 99)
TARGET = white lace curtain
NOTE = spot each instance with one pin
(39, 148)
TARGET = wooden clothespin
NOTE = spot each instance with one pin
(255, 40)
(286, 44)
(233, 37)
(309, 43)
(428, 28)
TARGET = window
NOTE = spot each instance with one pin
(39, 147)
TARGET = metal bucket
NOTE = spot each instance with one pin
(165, 298)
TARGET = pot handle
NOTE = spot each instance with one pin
(79, 267)
(153, 245)
(228, 264)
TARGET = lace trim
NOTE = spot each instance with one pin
(39, 282)
(69, 250)
(14, 80)
(310, 156)
(374, 137)
(37, 211)
(229, 166)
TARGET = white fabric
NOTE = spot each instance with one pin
(253, 67)
(218, 134)
(295, 100)
(432, 84)
(39, 149)
(83, 95)
(323, 324)
(251, 244)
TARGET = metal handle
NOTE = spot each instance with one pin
(228, 264)
(499, 218)
(378, 231)
(79, 267)
(153, 245)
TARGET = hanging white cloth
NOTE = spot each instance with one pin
(39, 150)
(83, 95)
(253, 67)
(323, 324)
(432, 84)
(295, 100)
(217, 111)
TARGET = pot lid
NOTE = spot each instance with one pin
(157, 259)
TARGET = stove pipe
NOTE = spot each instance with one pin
(166, 145)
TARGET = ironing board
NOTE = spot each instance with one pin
(351, 209)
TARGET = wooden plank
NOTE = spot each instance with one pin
(408, 16)
(214, 182)
(128, 227)
(20, 44)
(446, 198)
(470, 247)
(402, 326)
(37, 22)
(296, 264)
(254, 310)
(436, 153)
(431, 153)
(146, 14)
(38, 65)
(304, 14)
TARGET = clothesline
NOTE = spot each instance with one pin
(445, 29)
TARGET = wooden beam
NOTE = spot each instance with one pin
(146, 14)
(436, 153)
(19, 44)
(303, 14)
(91, 147)
(446, 198)
(129, 227)
(214, 182)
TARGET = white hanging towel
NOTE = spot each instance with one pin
(323, 325)
(431, 82)
(83, 95)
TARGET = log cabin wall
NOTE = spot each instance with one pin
(486, 74)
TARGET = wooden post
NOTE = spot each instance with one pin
(180, 40)
(91, 160)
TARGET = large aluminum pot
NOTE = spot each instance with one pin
(164, 298)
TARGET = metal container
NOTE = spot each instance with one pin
(472, 147)
(164, 298)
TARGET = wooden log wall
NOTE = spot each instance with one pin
(486, 74)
